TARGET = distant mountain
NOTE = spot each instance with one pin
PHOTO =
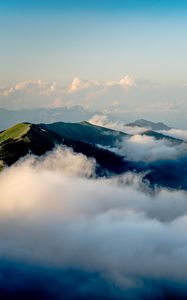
(148, 124)
(43, 115)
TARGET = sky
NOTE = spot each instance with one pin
(59, 42)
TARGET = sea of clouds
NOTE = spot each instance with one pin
(139, 147)
(59, 221)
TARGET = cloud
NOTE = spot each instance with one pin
(35, 93)
(139, 147)
(28, 86)
(104, 121)
(146, 148)
(125, 82)
(30, 94)
(75, 85)
(4, 92)
(65, 160)
(79, 84)
(53, 212)
(31, 87)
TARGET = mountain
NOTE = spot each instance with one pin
(43, 115)
(90, 140)
(161, 136)
(148, 124)
(25, 138)
(86, 132)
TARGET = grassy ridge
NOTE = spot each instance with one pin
(15, 132)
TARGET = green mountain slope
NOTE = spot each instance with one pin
(15, 132)
(22, 139)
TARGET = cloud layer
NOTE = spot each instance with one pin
(140, 147)
(53, 212)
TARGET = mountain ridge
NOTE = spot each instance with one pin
(94, 142)
(149, 124)
(40, 139)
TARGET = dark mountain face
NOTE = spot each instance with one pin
(149, 125)
(86, 133)
(22, 139)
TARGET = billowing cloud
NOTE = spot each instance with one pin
(146, 148)
(31, 87)
(35, 93)
(125, 82)
(53, 213)
(78, 84)
(28, 86)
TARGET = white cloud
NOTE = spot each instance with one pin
(146, 148)
(28, 86)
(4, 92)
(76, 85)
(117, 226)
(125, 82)
(79, 84)
(65, 160)
(32, 87)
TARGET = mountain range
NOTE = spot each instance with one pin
(68, 114)
(95, 142)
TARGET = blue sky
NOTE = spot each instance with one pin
(97, 5)
(60, 40)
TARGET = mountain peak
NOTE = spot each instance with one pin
(149, 124)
